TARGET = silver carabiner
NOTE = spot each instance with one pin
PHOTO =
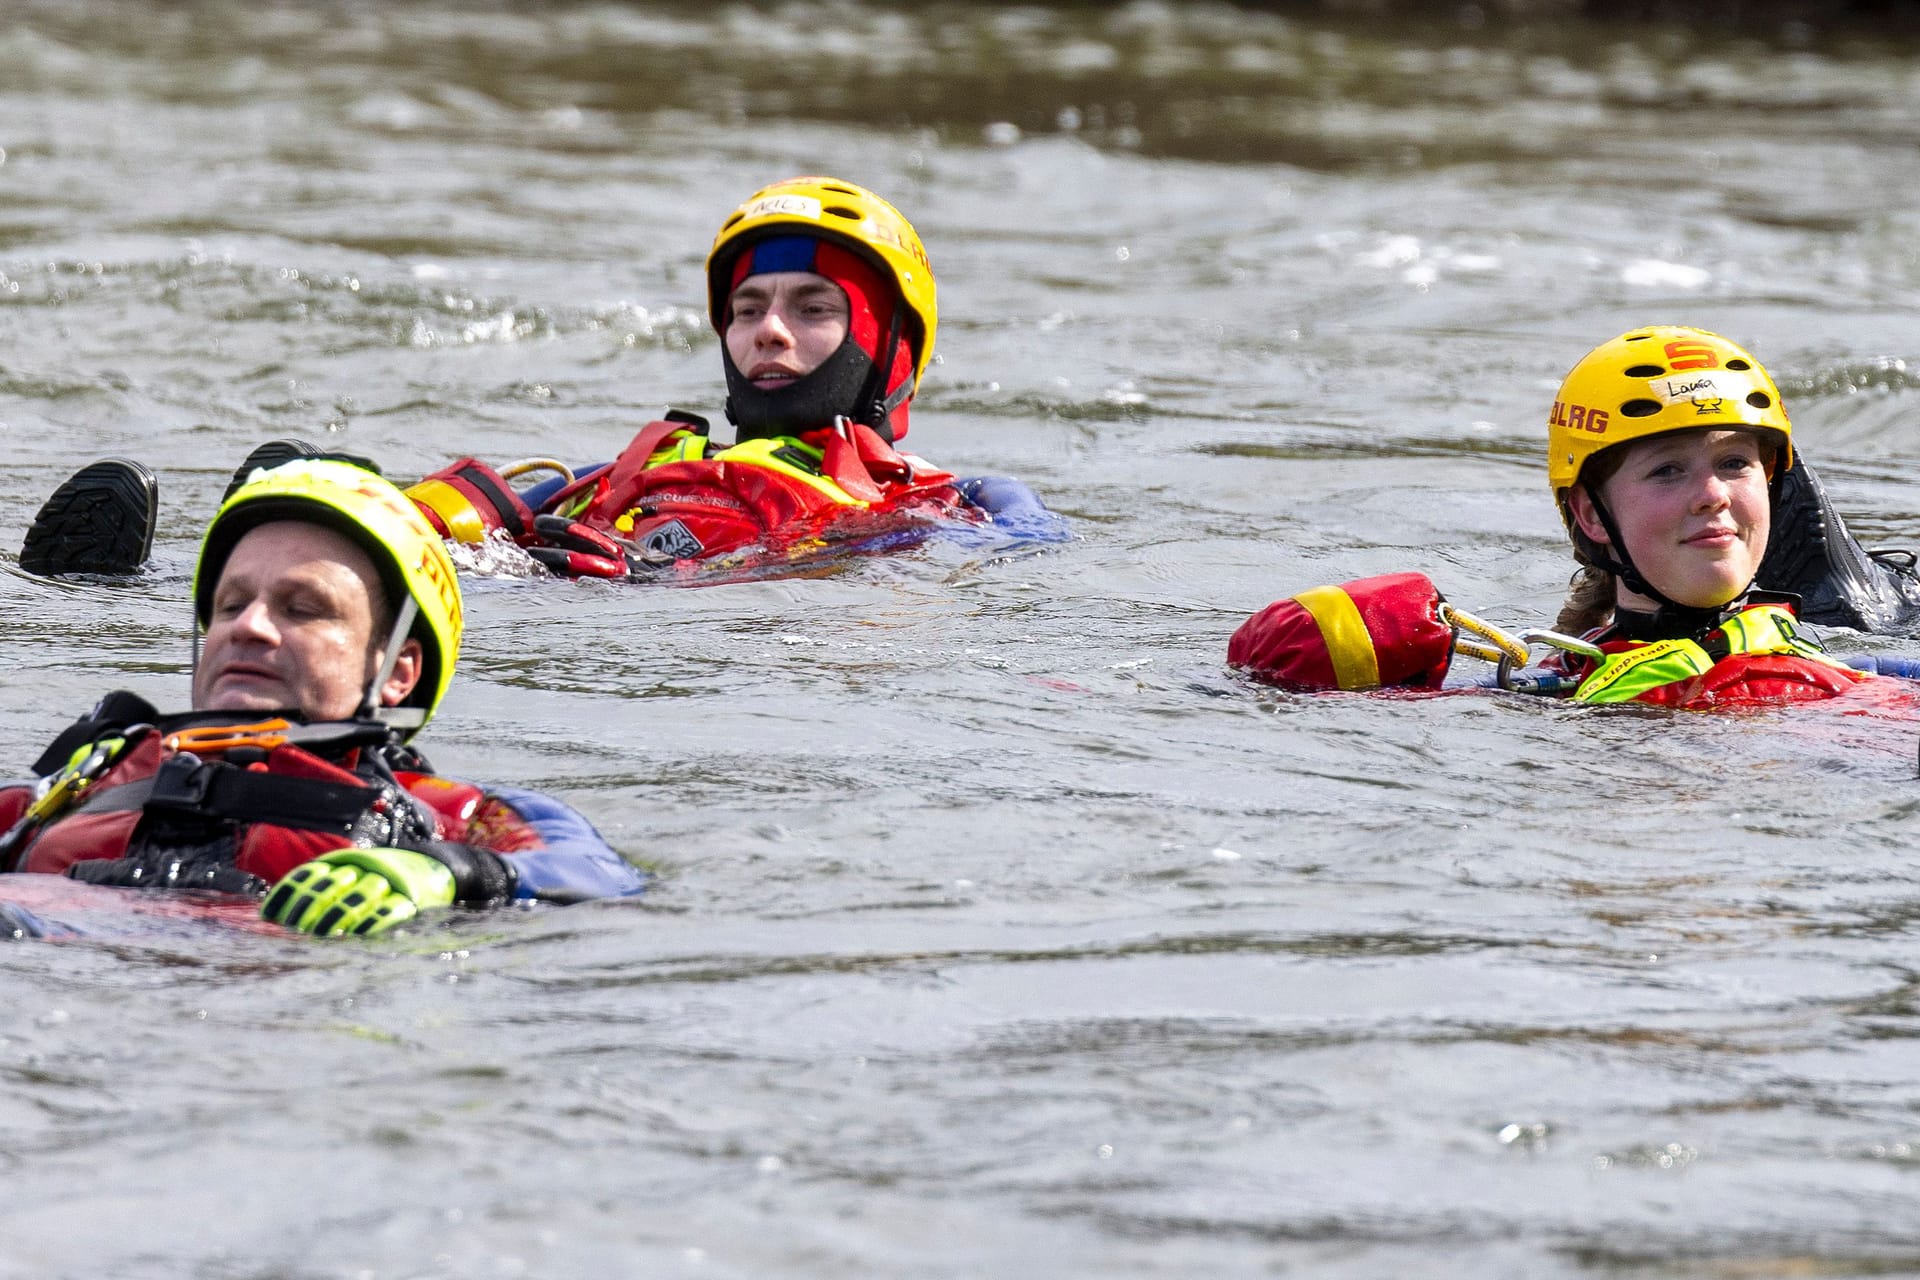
(1542, 638)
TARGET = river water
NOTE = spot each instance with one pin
(999, 930)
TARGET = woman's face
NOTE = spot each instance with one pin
(1692, 509)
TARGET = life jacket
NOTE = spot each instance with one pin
(671, 496)
(237, 807)
(1756, 655)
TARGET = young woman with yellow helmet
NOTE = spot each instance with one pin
(1666, 447)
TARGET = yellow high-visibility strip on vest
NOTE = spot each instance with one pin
(1764, 628)
(1624, 676)
(761, 453)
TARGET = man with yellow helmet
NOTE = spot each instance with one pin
(1666, 448)
(826, 308)
(825, 305)
(838, 235)
(327, 619)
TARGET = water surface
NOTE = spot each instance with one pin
(1000, 931)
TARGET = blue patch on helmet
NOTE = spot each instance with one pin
(783, 253)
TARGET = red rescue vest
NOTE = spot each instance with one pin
(322, 805)
(666, 495)
(1756, 655)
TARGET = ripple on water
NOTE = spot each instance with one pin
(998, 928)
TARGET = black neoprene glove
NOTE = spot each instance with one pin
(481, 877)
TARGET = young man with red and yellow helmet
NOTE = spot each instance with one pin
(1666, 451)
(327, 621)
(825, 305)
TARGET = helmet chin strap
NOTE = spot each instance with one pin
(402, 628)
(1617, 561)
(874, 393)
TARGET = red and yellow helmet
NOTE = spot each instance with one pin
(1653, 380)
(842, 213)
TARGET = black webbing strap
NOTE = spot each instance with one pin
(214, 789)
(505, 502)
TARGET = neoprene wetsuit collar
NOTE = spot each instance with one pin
(1679, 622)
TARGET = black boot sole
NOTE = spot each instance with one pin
(277, 453)
(99, 521)
(274, 453)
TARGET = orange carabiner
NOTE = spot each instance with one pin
(215, 738)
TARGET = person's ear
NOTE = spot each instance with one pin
(1586, 517)
(406, 673)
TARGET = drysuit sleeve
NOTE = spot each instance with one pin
(1366, 634)
(537, 496)
(17, 922)
(1875, 664)
(1013, 506)
(566, 860)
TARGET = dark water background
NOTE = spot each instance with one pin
(1000, 933)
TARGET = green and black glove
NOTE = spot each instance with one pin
(371, 890)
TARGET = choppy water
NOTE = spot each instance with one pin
(1000, 932)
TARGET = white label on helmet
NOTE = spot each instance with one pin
(783, 206)
(1693, 386)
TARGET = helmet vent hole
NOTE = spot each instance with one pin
(1737, 363)
(1645, 371)
(841, 211)
(1640, 408)
(1759, 399)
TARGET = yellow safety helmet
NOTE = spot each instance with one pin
(847, 214)
(374, 515)
(1653, 380)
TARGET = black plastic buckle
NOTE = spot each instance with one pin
(181, 785)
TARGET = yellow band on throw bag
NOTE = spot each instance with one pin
(452, 506)
(1349, 646)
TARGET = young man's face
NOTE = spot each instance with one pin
(784, 325)
(292, 628)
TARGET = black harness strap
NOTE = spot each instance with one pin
(190, 787)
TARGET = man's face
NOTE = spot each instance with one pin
(784, 325)
(292, 625)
